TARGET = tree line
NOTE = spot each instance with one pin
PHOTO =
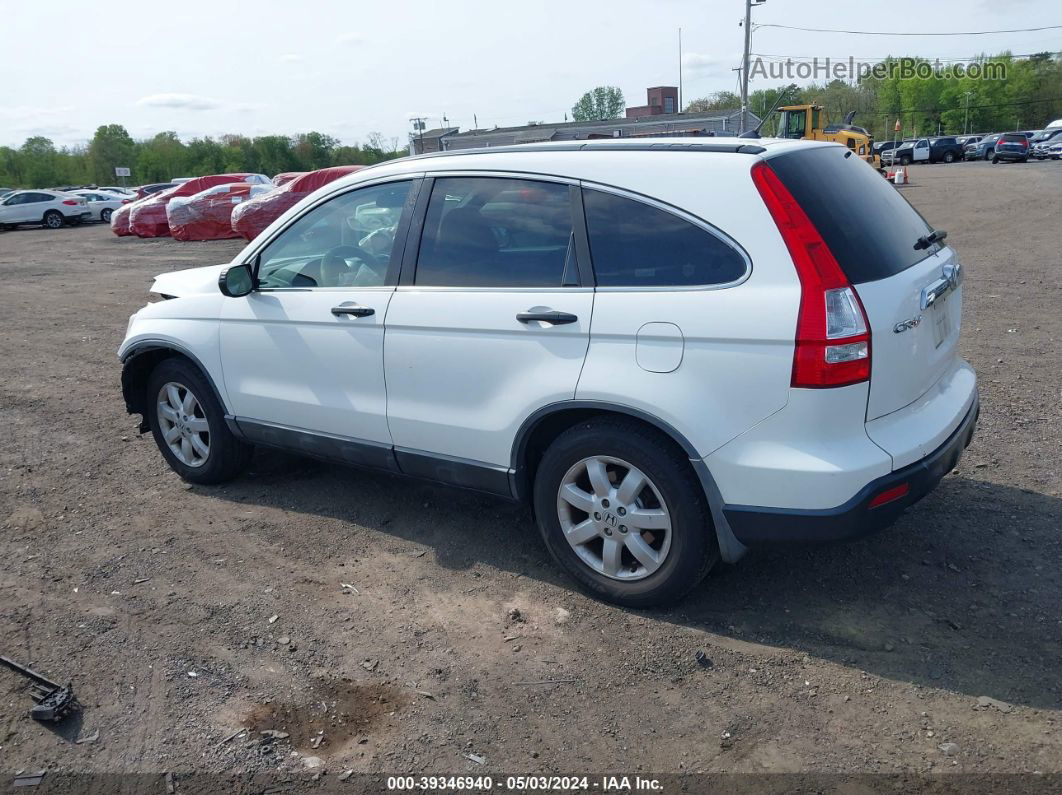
(38, 163)
(1027, 97)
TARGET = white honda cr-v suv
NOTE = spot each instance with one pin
(673, 350)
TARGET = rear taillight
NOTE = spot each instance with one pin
(126, 201)
(832, 334)
(70, 202)
(890, 495)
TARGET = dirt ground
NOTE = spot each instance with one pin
(425, 630)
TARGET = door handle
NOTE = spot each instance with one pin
(353, 309)
(550, 316)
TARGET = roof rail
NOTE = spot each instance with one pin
(737, 147)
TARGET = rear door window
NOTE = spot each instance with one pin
(497, 232)
(869, 226)
(634, 244)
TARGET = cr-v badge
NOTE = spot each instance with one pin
(903, 325)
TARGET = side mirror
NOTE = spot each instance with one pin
(236, 281)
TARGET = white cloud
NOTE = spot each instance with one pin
(179, 101)
(698, 62)
(350, 39)
(291, 57)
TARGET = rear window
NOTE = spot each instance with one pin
(868, 225)
(1013, 138)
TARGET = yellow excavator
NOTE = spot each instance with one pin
(810, 122)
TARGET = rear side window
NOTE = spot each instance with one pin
(497, 232)
(633, 244)
(869, 226)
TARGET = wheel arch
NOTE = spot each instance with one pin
(140, 361)
(548, 422)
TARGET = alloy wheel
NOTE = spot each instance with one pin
(183, 424)
(614, 518)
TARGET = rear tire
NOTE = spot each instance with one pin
(994, 160)
(650, 544)
(189, 427)
(905, 161)
(949, 157)
(53, 219)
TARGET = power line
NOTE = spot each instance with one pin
(900, 33)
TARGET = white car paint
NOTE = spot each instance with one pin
(31, 206)
(101, 203)
(449, 372)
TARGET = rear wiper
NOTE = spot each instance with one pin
(925, 241)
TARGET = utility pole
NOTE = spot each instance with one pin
(745, 66)
(679, 108)
(966, 124)
(745, 63)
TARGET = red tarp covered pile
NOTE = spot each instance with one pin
(254, 215)
(147, 218)
(208, 214)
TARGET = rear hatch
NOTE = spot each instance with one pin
(1015, 143)
(911, 295)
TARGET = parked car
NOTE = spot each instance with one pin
(966, 140)
(1039, 145)
(129, 192)
(983, 149)
(208, 214)
(888, 155)
(285, 177)
(881, 147)
(668, 375)
(102, 204)
(148, 218)
(928, 150)
(46, 208)
(1013, 147)
(5, 191)
(1054, 151)
(157, 187)
(254, 215)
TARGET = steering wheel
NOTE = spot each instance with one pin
(334, 263)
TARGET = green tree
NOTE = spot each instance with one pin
(720, 100)
(40, 161)
(603, 102)
(110, 147)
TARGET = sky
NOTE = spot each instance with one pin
(350, 68)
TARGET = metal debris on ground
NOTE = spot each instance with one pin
(53, 701)
(30, 779)
(89, 738)
(479, 759)
(703, 659)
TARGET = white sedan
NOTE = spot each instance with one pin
(48, 208)
(102, 203)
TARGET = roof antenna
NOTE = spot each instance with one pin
(755, 132)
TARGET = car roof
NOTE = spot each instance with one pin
(564, 156)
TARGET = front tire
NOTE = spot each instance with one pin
(949, 157)
(105, 216)
(905, 161)
(621, 510)
(53, 219)
(188, 424)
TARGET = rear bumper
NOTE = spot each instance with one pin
(757, 526)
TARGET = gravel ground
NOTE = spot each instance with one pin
(425, 630)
